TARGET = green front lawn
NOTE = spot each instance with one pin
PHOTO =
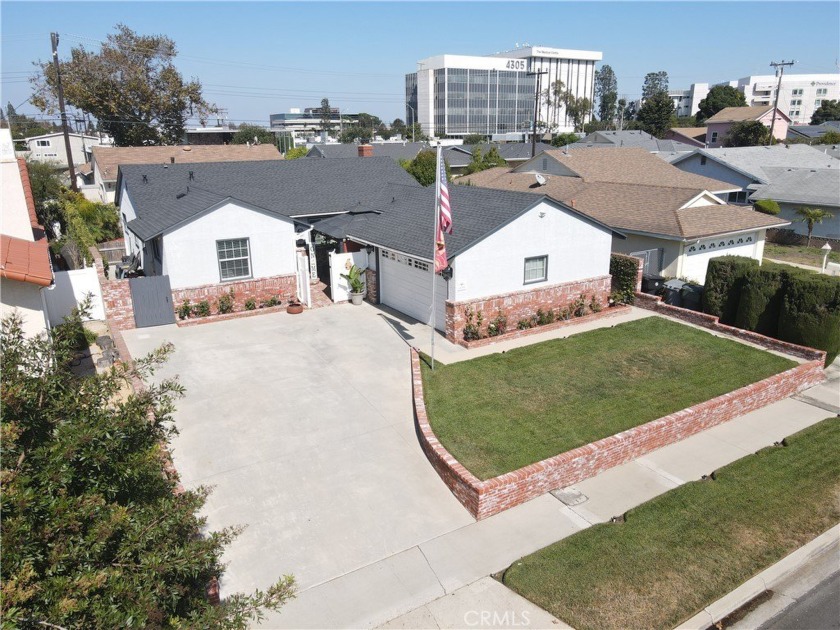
(799, 254)
(503, 411)
(689, 547)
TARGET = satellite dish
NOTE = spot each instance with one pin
(540, 179)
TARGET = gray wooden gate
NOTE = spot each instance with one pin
(152, 300)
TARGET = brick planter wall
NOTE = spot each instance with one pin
(260, 290)
(195, 321)
(485, 498)
(524, 304)
(516, 333)
(372, 287)
(116, 296)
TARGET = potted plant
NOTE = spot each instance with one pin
(295, 307)
(357, 284)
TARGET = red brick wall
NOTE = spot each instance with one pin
(372, 286)
(485, 498)
(116, 295)
(260, 290)
(524, 304)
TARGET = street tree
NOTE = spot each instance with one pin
(296, 153)
(424, 167)
(811, 217)
(254, 135)
(718, 98)
(562, 139)
(326, 115)
(398, 127)
(828, 110)
(96, 532)
(356, 133)
(655, 115)
(655, 82)
(130, 85)
(747, 133)
(481, 161)
(577, 108)
(606, 93)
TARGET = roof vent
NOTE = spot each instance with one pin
(145, 179)
(172, 159)
(186, 148)
(192, 176)
(180, 195)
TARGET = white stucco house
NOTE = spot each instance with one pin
(50, 148)
(675, 221)
(25, 268)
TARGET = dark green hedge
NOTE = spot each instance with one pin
(810, 313)
(778, 301)
(767, 206)
(623, 270)
(724, 279)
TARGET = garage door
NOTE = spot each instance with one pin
(407, 287)
(700, 253)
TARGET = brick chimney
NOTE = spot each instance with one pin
(365, 150)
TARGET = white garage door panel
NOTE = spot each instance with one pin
(699, 254)
(409, 290)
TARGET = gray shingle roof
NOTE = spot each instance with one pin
(801, 185)
(809, 131)
(461, 155)
(752, 161)
(630, 138)
(290, 188)
(406, 218)
(393, 150)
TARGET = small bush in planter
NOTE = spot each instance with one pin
(578, 307)
(250, 304)
(524, 324)
(497, 326)
(226, 303)
(272, 301)
(202, 309)
(595, 305)
(545, 317)
(185, 310)
(472, 327)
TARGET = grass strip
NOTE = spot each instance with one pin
(689, 547)
(500, 412)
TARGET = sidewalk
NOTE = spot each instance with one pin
(421, 580)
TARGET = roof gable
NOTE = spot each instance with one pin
(738, 114)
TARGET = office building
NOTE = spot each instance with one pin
(800, 96)
(457, 95)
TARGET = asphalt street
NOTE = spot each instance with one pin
(819, 609)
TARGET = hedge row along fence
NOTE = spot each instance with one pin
(779, 301)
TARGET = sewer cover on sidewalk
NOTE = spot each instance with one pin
(569, 496)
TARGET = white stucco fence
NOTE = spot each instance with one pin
(70, 290)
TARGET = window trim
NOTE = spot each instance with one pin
(525, 269)
(248, 257)
(43, 143)
(714, 136)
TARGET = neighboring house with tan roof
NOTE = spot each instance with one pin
(672, 219)
(693, 136)
(105, 162)
(719, 125)
(25, 269)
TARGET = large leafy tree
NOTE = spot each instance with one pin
(398, 126)
(424, 167)
(577, 108)
(718, 98)
(811, 217)
(326, 115)
(655, 115)
(130, 85)
(96, 533)
(828, 110)
(655, 82)
(356, 132)
(747, 133)
(47, 189)
(247, 133)
(606, 93)
(481, 161)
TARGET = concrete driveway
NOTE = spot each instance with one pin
(304, 427)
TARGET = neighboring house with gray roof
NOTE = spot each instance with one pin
(671, 219)
(794, 188)
(395, 150)
(812, 132)
(631, 138)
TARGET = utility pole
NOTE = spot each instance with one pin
(65, 128)
(536, 109)
(780, 70)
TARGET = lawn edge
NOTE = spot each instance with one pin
(483, 498)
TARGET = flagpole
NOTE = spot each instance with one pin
(434, 249)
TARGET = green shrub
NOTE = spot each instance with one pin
(272, 301)
(810, 313)
(578, 307)
(226, 303)
(724, 278)
(767, 206)
(760, 301)
(250, 304)
(202, 309)
(524, 324)
(185, 310)
(623, 270)
(497, 326)
(595, 305)
(545, 317)
(474, 321)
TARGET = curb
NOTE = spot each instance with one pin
(764, 581)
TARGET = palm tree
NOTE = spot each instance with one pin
(812, 216)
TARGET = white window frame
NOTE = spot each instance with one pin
(714, 136)
(544, 277)
(796, 92)
(822, 91)
(43, 143)
(247, 258)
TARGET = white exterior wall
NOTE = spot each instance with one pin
(127, 213)
(576, 250)
(14, 220)
(761, 90)
(56, 151)
(190, 258)
(25, 299)
(668, 256)
(697, 255)
(70, 290)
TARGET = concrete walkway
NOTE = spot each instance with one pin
(441, 582)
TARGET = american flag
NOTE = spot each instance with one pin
(445, 210)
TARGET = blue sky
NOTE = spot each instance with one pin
(259, 58)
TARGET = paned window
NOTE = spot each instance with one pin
(234, 258)
(536, 269)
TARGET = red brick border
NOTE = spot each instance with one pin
(195, 321)
(491, 496)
